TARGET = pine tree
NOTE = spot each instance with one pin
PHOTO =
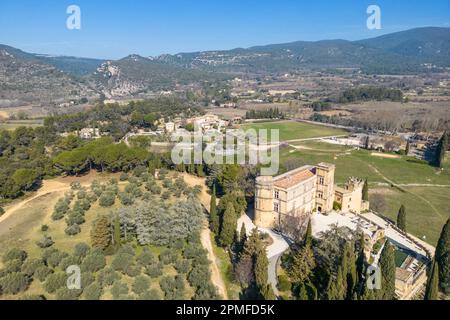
(308, 235)
(101, 233)
(214, 216)
(442, 253)
(432, 289)
(229, 225)
(387, 266)
(303, 263)
(365, 190)
(441, 150)
(401, 218)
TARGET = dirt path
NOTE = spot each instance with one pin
(205, 235)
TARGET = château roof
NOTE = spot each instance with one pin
(293, 178)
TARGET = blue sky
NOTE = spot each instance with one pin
(113, 29)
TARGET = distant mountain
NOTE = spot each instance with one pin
(71, 65)
(427, 45)
(136, 74)
(26, 78)
(401, 52)
(42, 78)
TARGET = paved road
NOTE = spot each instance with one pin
(274, 251)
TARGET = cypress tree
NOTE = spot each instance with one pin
(242, 235)
(308, 235)
(228, 231)
(302, 292)
(117, 234)
(101, 233)
(387, 266)
(214, 216)
(408, 147)
(352, 275)
(268, 293)
(365, 190)
(442, 253)
(441, 150)
(432, 289)
(261, 268)
(401, 218)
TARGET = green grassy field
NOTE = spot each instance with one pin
(290, 130)
(14, 124)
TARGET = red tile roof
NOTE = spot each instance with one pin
(294, 179)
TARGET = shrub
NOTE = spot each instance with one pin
(87, 278)
(56, 216)
(92, 197)
(126, 199)
(33, 297)
(93, 291)
(139, 171)
(140, 284)
(154, 271)
(69, 261)
(119, 289)
(168, 256)
(31, 266)
(14, 254)
(283, 283)
(55, 281)
(122, 262)
(75, 217)
(55, 258)
(107, 276)
(155, 189)
(75, 185)
(123, 177)
(65, 294)
(44, 228)
(107, 199)
(146, 257)
(45, 242)
(2, 211)
(13, 266)
(15, 282)
(165, 195)
(151, 295)
(73, 230)
(94, 261)
(81, 250)
(42, 272)
(183, 266)
(81, 194)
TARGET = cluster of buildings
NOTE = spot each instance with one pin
(310, 192)
(205, 122)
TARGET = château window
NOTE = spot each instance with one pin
(276, 207)
(277, 194)
(320, 195)
(321, 181)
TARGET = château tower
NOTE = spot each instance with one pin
(325, 187)
(264, 211)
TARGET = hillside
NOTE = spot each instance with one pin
(402, 52)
